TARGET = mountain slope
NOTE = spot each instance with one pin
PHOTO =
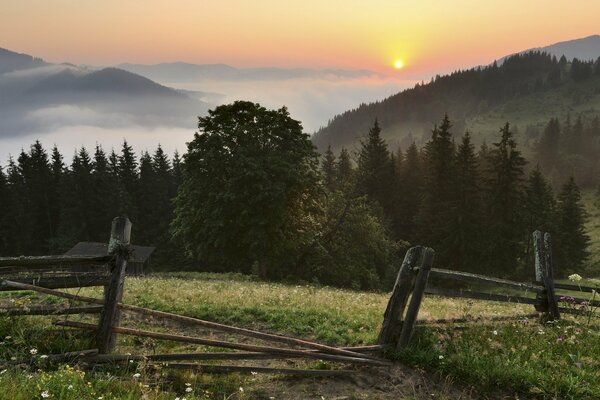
(11, 61)
(527, 89)
(587, 48)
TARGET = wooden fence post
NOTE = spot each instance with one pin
(417, 297)
(553, 304)
(405, 281)
(119, 239)
(537, 246)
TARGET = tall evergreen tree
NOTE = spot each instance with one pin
(411, 187)
(539, 209)
(439, 191)
(463, 244)
(128, 180)
(504, 205)
(570, 245)
(345, 171)
(374, 174)
(328, 169)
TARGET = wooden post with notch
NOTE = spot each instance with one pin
(405, 282)
(119, 240)
(554, 314)
(416, 299)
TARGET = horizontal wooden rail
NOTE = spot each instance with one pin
(209, 368)
(468, 294)
(576, 288)
(53, 260)
(227, 345)
(44, 310)
(62, 282)
(469, 277)
(194, 321)
(114, 358)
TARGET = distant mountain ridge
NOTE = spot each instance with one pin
(585, 49)
(527, 89)
(186, 72)
(36, 95)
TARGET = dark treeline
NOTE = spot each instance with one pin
(570, 147)
(465, 93)
(476, 208)
(48, 204)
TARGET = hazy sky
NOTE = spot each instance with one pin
(430, 36)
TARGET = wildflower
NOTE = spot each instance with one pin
(188, 389)
(253, 372)
(43, 356)
(575, 277)
(45, 394)
(495, 333)
(441, 357)
(33, 351)
(70, 387)
(100, 397)
(8, 338)
(560, 339)
(137, 375)
(3, 371)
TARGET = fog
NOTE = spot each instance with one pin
(71, 120)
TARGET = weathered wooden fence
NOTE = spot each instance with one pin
(45, 274)
(62, 272)
(412, 282)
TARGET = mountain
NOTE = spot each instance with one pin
(180, 72)
(11, 61)
(36, 96)
(526, 89)
(587, 48)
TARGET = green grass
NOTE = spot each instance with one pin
(518, 359)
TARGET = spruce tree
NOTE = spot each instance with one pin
(328, 170)
(463, 241)
(345, 171)
(411, 188)
(105, 203)
(539, 209)
(505, 227)
(439, 192)
(571, 242)
(127, 169)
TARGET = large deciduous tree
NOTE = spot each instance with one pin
(250, 189)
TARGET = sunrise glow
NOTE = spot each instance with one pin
(398, 64)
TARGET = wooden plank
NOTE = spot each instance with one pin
(538, 257)
(53, 260)
(198, 322)
(55, 269)
(119, 238)
(403, 287)
(554, 313)
(45, 310)
(417, 297)
(576, 288)
(476, 319)
(469, 277)
(469, 294)
(211, 369)
(227, 345)
(62, 282)
(114, 358)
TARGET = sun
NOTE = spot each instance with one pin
(398, 64)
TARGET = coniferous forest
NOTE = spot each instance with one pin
(359, 211)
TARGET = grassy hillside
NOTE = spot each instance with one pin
(592, 206)
(527, 90)
(496, 358)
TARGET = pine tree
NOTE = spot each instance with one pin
(539, 209)
(411, 187)
(570, 244)
(504, 205)
(145, 201)
(374, 177)
(105, 204)
(463, 244)
(439, 191)
(4, 217)
(328, 169)
(345, 171)
(128, 180)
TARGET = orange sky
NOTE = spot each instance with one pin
(429, 35)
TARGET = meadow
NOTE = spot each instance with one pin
(481, 358)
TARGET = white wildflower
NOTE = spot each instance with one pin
(241, 389)
(43, 356)
(33, 351)
(45, 394)
(495, 333)
(137, 375)
(575, 278)
(70, 387)
(189, 389)
(253, 372)
(3, 371)
(441, 357)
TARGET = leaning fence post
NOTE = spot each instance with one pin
(537, 246)
(553, 304)
(405, 281)
(417, 297)
(119, 240)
